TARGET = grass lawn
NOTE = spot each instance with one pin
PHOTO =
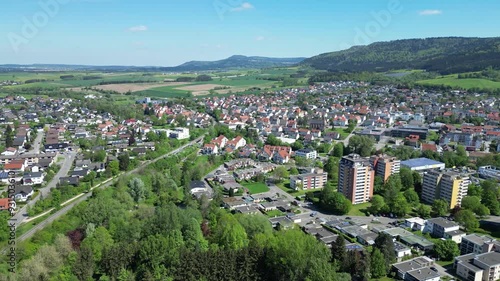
(383, 279)
(445, 263)
(357, 209)
(274, 213)
(453, 81)
(25, 227)
(256, 187)
(285, 186)
(341, 131)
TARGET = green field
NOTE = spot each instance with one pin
(242, 81)
(164, 92)
(256, 187)
(453, 81)
(357, 210)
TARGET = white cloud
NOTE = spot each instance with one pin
(430, 12)
(243, 7)
(138, 28)
(260, 38)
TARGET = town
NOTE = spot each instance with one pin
(411, 172)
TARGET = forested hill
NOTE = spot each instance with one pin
(235, 62)
(444, 55)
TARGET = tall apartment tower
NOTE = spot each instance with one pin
(356, 178)
(385, 166)
(447, 185)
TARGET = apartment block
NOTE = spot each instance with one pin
(385, 166)
(316, 179)
(482, 267)
(356, 178)
(447, 185)
(478, 244)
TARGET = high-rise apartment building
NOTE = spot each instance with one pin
(356, 178)
(447, 185)
(385, 166)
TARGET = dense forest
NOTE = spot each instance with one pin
(443, 55)
(234, 62)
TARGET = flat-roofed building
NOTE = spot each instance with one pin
(385, 166)
(447, 185)
(422, 164)
(478, 244)
(356, 178)
(482, 267)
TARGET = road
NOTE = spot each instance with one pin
(22, 214)
(37, 143)
(80, 199)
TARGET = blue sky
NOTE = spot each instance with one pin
(170, 32)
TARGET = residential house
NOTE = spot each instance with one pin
(33, 178)
(69, 181)
(210, 149)
(23, 193)
(6, 204)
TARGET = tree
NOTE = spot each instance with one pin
(411, 196)
(193, 237)
(294, 171)
(9, 136)
(475, 190)
(406, 178)
(255, 224)
(136, 189)
(338, 150)
(424, 211)
(113, 168)
(471, 203)
(339, 252)
(446, 249)
(229, 234)
(131, 139)
(490, 196)
(392, 192)
(280, 173)
(334, 202)
(361, 145)
(401, 206)
(297, 145)
(303, 162)
(417, 182)
(378, 204)
(124, 161)
(440, 208)
(482, 211)
(385, 244)
(378, 266)
(83, 266)
(378, 185)
(467, 219)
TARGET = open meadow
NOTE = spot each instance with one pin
(468, 83)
